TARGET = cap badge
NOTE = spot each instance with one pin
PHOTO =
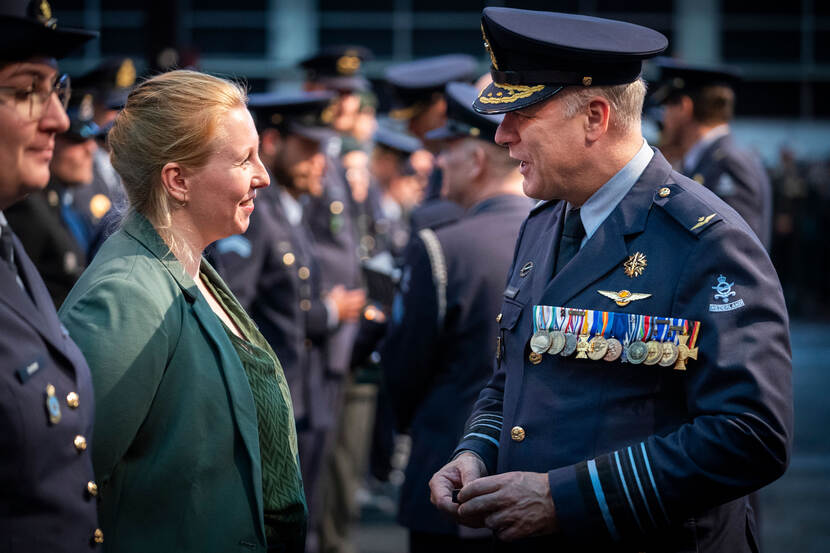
(125, 77)
(635, 265)
(86, 111)
(586, 81)
(348, 64)
(514, 93)
(44, 15)
(487, 47)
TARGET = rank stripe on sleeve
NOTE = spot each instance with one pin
(484, 427)
(620, 488)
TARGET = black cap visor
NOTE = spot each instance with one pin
(21, 39)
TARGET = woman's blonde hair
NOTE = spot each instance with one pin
(172, 117)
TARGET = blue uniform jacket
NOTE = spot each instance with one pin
(46, 467)
(434, 368)
(646, 458)
(739, 179)
(331, 220)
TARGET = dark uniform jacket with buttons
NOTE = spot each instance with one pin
(738, 178)
(38, 223)
(177, 444)
(46, 468)
(331, 220)
(438, 352)
(646, 458)
(272, 270)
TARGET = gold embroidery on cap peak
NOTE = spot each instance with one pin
(515, 92)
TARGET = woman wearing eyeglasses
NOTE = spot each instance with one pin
(196, 448)
(48, 498)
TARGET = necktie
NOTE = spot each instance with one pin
(572, 234)
(7, 247)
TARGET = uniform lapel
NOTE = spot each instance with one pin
(705, 158)
(546, 248)
(606, 249)
(35, 309)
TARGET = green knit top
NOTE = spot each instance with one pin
(282, 486)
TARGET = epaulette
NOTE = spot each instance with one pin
(685, 207)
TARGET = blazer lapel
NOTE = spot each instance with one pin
(606, 249)
(242, 400)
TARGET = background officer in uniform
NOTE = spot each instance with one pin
(438, 350)
(273, 271)
(418, 91)
(46, 405)
(52, 231)
(601, 454)
(698, 104)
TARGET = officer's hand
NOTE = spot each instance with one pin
(456, 474)
(514, 505)
(349, 303)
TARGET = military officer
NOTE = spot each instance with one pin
(698, 104)
(418, 93)
(273, 270)
(107, 86)
(46, 406)
(400, 189)
(643, 379)
(436, 355)
(51, 230)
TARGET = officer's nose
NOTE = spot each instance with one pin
(506, 134)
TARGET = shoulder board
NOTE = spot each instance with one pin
(679, 200)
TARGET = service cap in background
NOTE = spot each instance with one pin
(298, 113)
(413, 84)
(29, 29)
(392, 138)
(338, 67)
(677, 78)
(110, 82)
(536, 54)
(462, 119)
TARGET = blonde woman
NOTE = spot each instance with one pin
(195, 442)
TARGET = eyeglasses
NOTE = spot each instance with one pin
(31, 103)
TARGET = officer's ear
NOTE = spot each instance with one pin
(597, 118)
(478, 155)
(270, 141)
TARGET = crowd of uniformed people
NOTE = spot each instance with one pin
(219, 308)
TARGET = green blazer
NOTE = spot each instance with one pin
(176, 451)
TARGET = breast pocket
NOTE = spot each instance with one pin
(507, 341)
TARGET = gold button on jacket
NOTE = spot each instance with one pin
(517, 433)
(98, 536)
(92, 488)
(73, 400)
(80, 443)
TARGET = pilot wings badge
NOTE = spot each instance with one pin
(623, 297)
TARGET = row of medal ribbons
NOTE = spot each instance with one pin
(608, 336)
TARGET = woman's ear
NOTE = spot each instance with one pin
(175, 183)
